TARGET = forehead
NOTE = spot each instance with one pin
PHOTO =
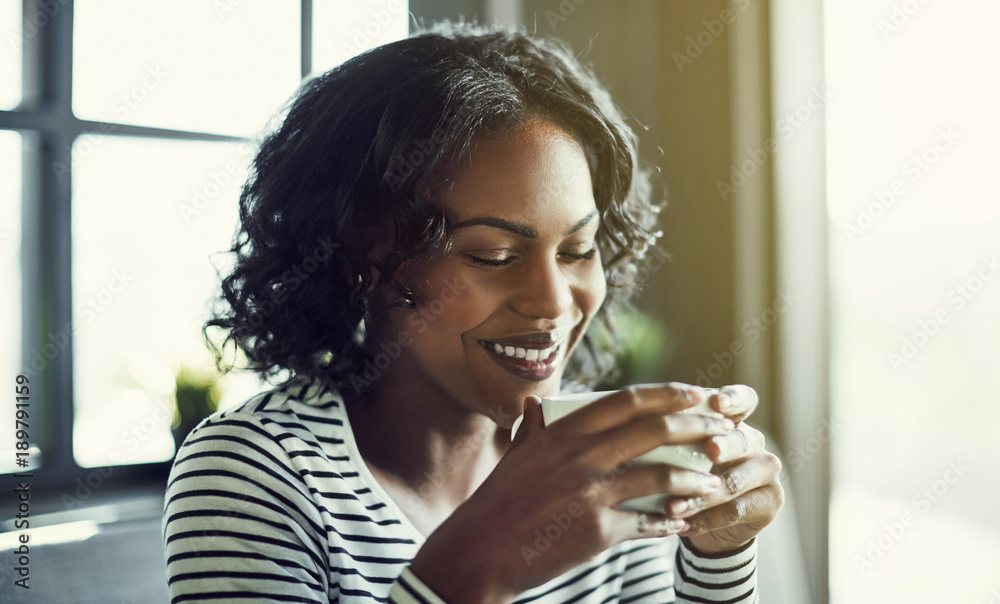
(538, 175)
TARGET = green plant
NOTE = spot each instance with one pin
(641, 352)
(197, 396)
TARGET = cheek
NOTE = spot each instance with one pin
(452, 303)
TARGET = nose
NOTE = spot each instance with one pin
(544, 290)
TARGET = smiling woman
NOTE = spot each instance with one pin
(485, 206)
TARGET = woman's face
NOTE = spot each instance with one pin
(498, 315)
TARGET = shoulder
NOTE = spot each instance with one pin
(261, 454)
(276, 435)
(300, 410)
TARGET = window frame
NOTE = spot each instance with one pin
(800, 225)
(48, 128)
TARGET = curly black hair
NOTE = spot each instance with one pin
(357, 157)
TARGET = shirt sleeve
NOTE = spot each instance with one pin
(658, 571)
(409, 589)
(730, 577)
(237, 526)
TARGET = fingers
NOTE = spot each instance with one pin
(624, 524)
(658, 478)
(648, 432)
(737, 480)
(735, 402)
(756, 508)
(742, 443)
(752, 510)
(530, 422)
(624, 405)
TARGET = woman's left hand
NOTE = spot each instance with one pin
(750, 495)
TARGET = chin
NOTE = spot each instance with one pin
(512, 405)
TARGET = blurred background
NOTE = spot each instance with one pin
(832, 238)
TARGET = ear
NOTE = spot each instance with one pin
(373, 243)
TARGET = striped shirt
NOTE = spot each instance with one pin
(272, 502)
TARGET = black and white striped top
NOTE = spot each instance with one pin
(271, 501)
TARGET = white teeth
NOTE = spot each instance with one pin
(528, 354)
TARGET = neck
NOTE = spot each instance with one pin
(423, 439)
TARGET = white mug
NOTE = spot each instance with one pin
(689, 457)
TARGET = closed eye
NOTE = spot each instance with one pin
(495, 262)
(588, 255)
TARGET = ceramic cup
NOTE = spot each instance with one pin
(689, 457)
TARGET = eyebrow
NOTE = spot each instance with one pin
(516, 227)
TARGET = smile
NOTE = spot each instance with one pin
(542, 355)
(532, 361)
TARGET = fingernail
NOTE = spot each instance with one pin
(725, 402)
(728, 425)
(678, 525)
(714, 482)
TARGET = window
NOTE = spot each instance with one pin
(10, 274)
(10, 57)
(134, 133)
(147, 216)
(915, 282)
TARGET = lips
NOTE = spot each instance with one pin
(531, 357)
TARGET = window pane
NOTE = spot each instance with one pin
(10, 293)
(147, 214)
(344, 29)
(10, 56)
(185, 64)
(915, 246)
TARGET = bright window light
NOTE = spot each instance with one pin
(10, 276)
(187, 64)
(344, 29)
(149, 217)
(12, 32)
(915, 267)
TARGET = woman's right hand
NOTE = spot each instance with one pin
(550, 503)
